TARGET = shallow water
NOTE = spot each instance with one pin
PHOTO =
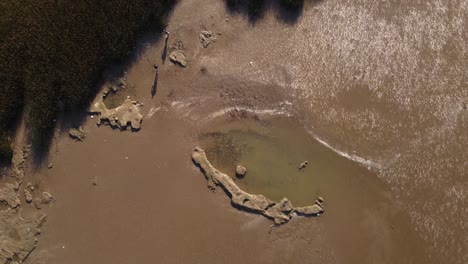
(357, 202)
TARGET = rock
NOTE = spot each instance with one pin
(280, 212)
(178, 57)
(37, 203)
(50, 165)
(240, 171)
(126, 114)
(18, 235)
(30, 186)
(9, 195)
(28, 196)
(77, 134)
(46, 198)
(303, 165)
(206, 37)
(311, 210)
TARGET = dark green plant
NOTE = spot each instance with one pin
(6, 152)
(52, 53)
(292, 4)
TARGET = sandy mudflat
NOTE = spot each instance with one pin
(376, 92)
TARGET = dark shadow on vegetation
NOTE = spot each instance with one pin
(287, 11)
(53, 54)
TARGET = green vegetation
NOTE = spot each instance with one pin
(53, 52)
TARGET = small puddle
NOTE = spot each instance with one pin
(357, 203)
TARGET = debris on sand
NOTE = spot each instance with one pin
(280, 212)
(18, 235)
(177, 55)
(128, 113)
(303, 165)
(77, 134)
(240, 171)
(46, 198)
(206, 37)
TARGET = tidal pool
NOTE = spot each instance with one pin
(360, 215)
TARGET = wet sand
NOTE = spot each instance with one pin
(373, 85)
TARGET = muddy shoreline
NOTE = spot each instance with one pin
(368, 98)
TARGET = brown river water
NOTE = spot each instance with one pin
(372, 93)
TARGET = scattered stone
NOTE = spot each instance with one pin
(303, 165)
(464, 106)
(30, 186)
(206, 37)
(77, 134)
(18, 235)
(46, 198)
(240, 171)
(280, 212)
(178, 57)
(28, 196)
(227, 19)
(50, 165)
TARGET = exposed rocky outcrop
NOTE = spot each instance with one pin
(9, 195)
(177, 54)
(47, 198)
(178, 57)
(18, 235)
(206, 37)
(280, 212)
(77, 134)
(128, 113)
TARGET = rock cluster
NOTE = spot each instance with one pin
(15, 248)
(303, 165)
(128, 113)
(206, 37)
(280, 212)
(9, 195)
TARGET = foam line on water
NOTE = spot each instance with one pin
(366, 162)
(226, 110)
